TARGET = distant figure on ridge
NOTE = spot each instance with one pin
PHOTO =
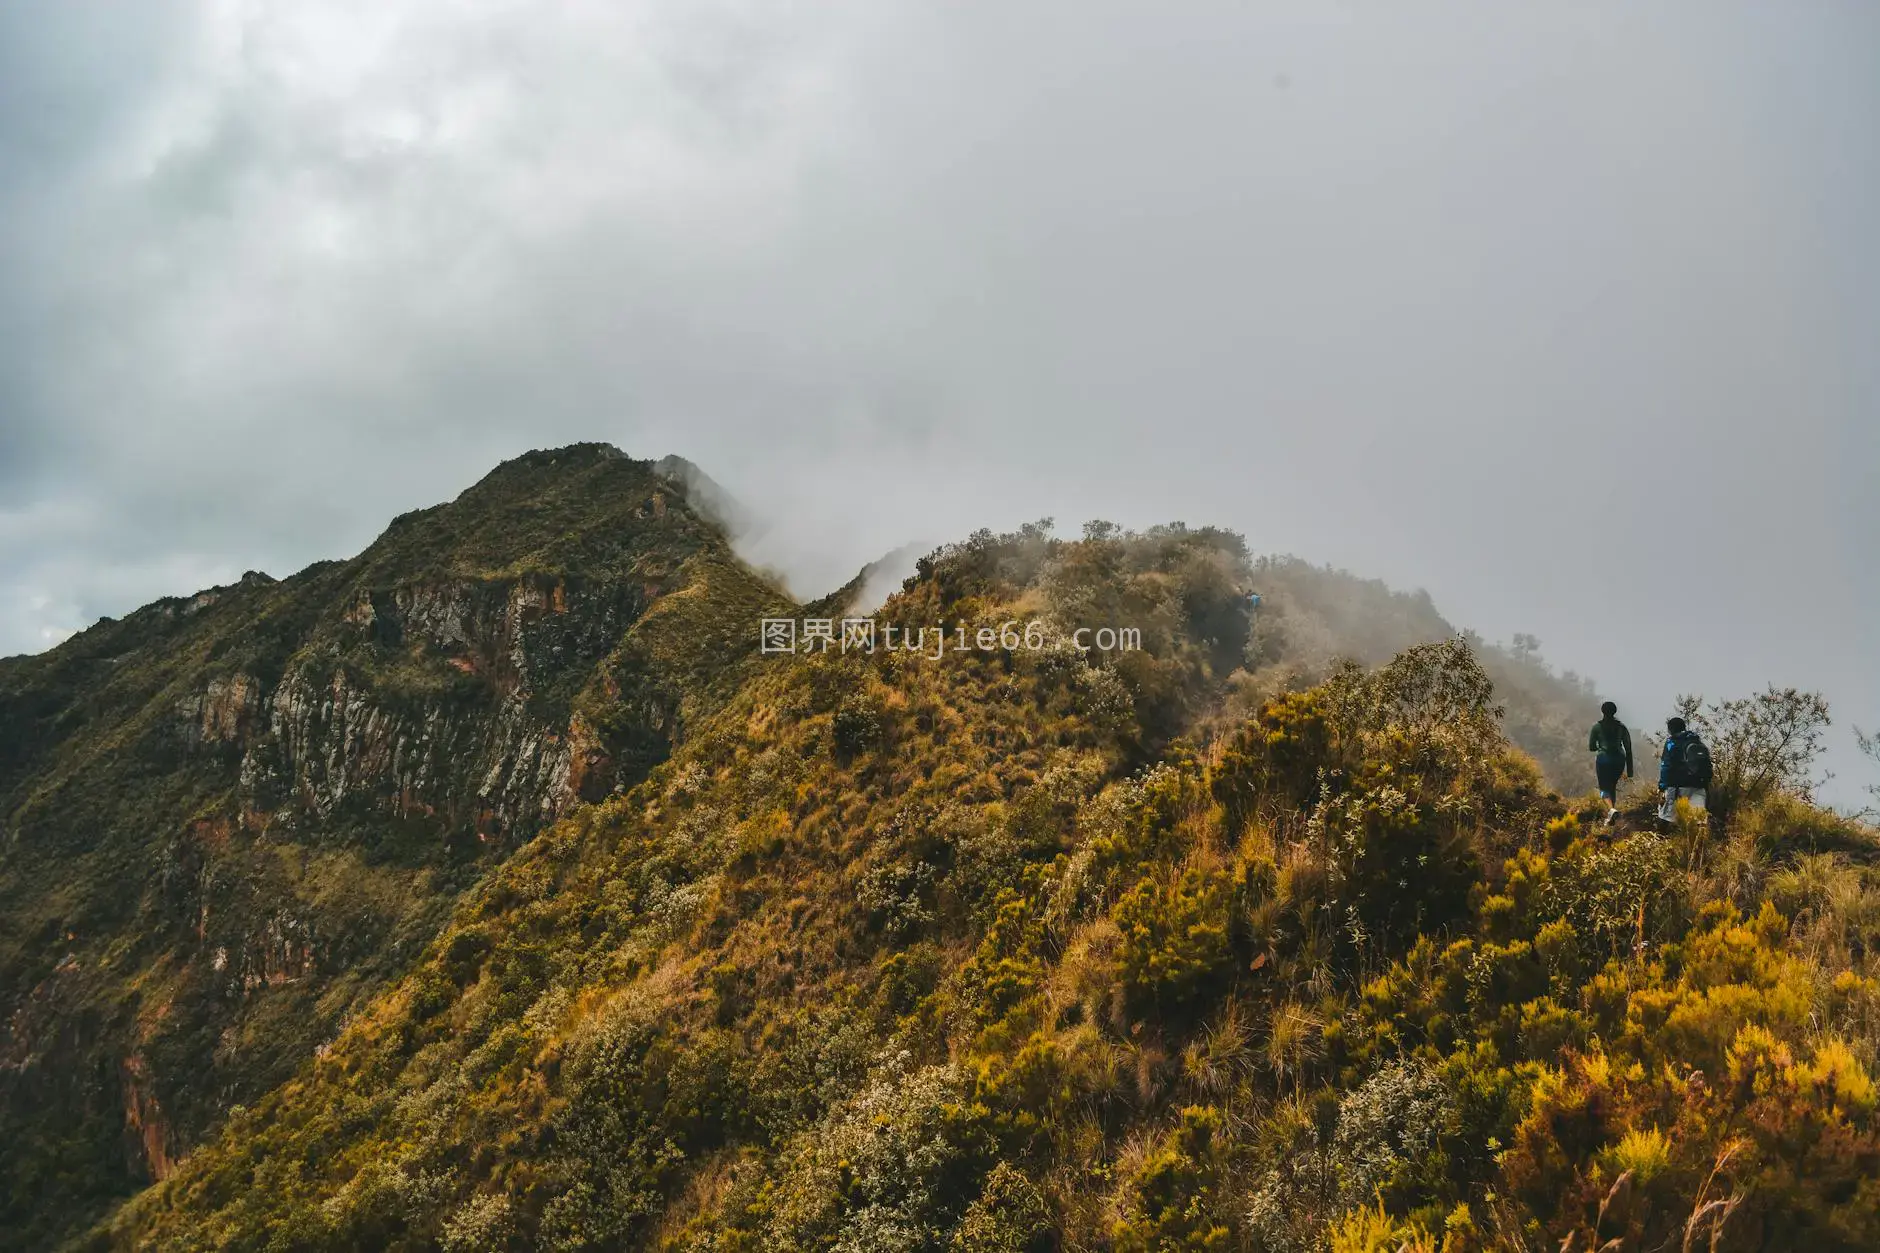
(1683, 769)
(1613, 742)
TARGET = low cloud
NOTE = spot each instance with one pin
(1566, 316)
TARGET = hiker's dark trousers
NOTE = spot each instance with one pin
(1609, 767)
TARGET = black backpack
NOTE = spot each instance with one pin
(1696, 761)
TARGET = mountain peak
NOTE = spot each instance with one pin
(406, 718)
(584, 507)
(567, 456)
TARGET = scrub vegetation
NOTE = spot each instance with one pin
(1274, 935)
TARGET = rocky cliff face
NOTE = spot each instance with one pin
(261, 847)
(228, 817)
(483, 745)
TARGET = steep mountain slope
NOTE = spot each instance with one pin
(227, 819)
(1003, 948)
(492, 891)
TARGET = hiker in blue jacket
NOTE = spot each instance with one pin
(1683, 769)
(1613, 743)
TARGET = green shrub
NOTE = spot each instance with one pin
(1170, 1202)
(1176, 946)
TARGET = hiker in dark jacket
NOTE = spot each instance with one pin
(1613, 744)
(1683, 769)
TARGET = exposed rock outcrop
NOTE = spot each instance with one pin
(250, 805)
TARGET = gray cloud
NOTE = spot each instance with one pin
(1566, 313)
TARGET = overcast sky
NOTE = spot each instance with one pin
(1569, 313)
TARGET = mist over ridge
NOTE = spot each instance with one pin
(868, 624)
(1490, 305)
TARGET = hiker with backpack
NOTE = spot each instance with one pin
(1683, 769)
(1613, 744)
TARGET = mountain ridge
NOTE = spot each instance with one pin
(1025, 948)
(471, 673)
(490, 889)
